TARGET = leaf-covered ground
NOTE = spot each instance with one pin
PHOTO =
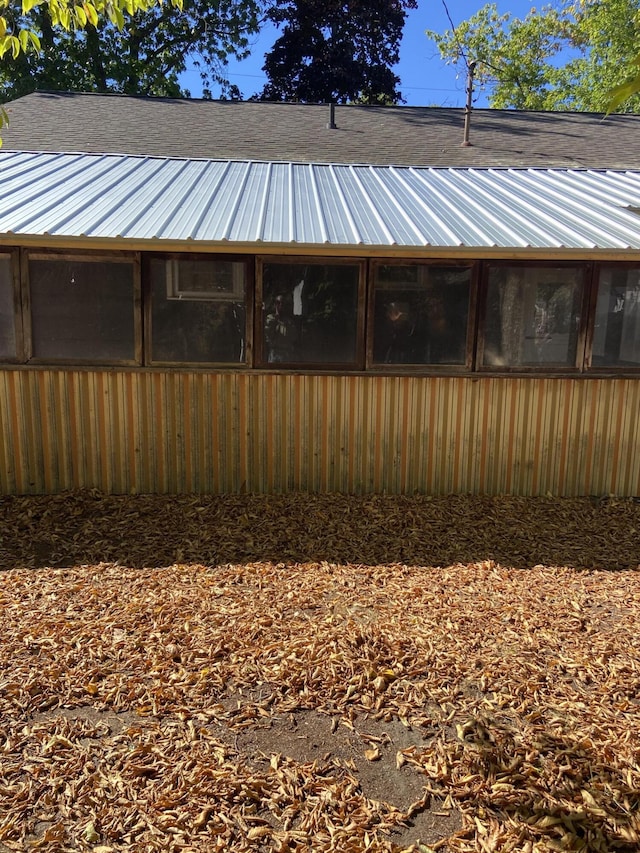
(319, 674)
(86, 527)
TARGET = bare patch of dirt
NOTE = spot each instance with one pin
(369, 751)
(367, 754)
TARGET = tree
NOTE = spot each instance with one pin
(145, 57)
(571, 56)
(333, 51)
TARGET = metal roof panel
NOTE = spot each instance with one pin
(305, 204)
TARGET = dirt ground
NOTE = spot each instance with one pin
(336, 674)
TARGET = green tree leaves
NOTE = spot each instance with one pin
(569, 56)
(131, 46)
(336, 51)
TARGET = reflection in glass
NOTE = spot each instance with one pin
(198, 312)
(616, 338)
(532, 316)
(310, 313)
(421, 314)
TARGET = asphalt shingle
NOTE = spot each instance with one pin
(424, 136)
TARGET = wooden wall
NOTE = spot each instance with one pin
(152, 431)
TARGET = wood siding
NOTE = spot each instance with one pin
(149, 431)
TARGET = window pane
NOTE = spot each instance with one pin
(616, 339)
(82, 309)
(198, 311)
(532, 316)
(421, 314)
(7, 312)
(310, 313)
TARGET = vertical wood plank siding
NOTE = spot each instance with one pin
(124, 431)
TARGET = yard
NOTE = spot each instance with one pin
(330, 673)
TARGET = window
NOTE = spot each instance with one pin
(310, 314)
(198, 311)
(616, 336)
(8, 343)
(420, 314)
(532, 316)
(218, 281)
(82, 309)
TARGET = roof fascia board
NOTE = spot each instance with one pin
(357, 251)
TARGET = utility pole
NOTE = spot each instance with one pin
(471, 69)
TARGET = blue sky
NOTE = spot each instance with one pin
(425, 79)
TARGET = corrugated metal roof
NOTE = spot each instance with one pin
(245, 202)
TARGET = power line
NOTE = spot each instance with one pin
(455, 34)
(471, 65)
(404, 86)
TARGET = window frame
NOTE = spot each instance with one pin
(423, 369)
(84, 256)
(147, 289)
(584, 318)
(358, 365)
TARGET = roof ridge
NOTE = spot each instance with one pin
(320, 104)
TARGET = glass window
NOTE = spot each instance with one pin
(421, 314)
(7, 310)
(616, 337)
(532, 316)
(198, 312)
(310, 313)
(82, 309)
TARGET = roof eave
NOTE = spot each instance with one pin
(110, 244)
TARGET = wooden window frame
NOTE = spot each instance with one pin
(83, 256)
(147, 288)
(358, 365)
(578, 367)
(412, 369)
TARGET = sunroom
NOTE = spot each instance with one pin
(189, 325)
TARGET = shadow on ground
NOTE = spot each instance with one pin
(87, 527)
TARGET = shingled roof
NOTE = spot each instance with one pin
(414, 136)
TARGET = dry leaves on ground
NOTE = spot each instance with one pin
(87, 527)
(314, 706)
